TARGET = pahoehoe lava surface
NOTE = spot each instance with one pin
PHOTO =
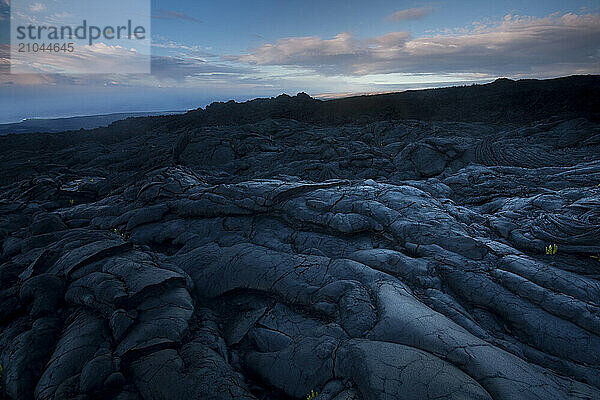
(399, 259)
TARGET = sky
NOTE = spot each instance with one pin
(215, 51)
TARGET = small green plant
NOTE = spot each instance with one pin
(124, 235)
(597, 258)
(312, 395)
(71, 202)
(552, 249)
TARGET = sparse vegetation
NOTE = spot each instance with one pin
(124, 235)
(312, 395)
(552, 249)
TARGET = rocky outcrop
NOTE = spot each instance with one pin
(400, 259)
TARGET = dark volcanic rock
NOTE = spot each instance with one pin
(398, 259)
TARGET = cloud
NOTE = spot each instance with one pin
(181, 68)
(37, 7)
(568, 43)
(305, 51)
(180, 71)
(182, 49)
(97, 58)
(167, 14)
(62, 15)
(410, 13)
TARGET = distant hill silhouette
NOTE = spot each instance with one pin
(500, 102)
(503, 101)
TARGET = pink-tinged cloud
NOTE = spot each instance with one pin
(410, 14)
(303, 50)
(516, 45)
